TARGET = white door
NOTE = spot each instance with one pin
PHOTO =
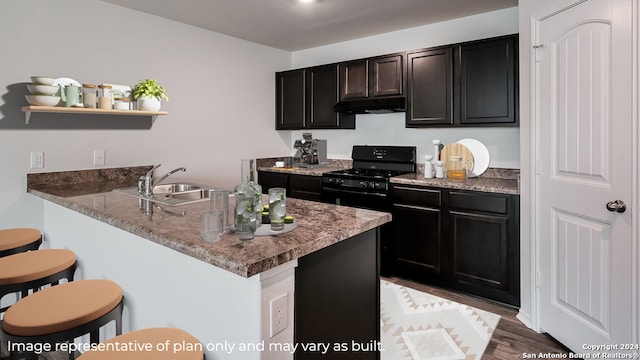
(583, 123)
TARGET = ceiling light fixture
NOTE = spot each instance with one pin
(305, 1)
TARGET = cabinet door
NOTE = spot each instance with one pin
(488, 82)
(418, 241)
(305, 187)
(272, 179)
(479, 250)
(322, 95)
(385, 76)
(484, 245)
(354, 80)
(290, 100)
(429, 87)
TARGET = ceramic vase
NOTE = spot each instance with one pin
(149, 103)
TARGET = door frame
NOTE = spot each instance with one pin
(533, 318)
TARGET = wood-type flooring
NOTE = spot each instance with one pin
(511, 339)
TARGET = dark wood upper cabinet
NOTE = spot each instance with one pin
(488, 82)
(373, 77)
(386, 74)
(430, 87)
(305, 99)
(354, 80)
(322, 95)
(290, 100)
(468, 84)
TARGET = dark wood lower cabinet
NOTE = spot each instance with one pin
(305, 187)
(337, 300)
(270, 180)
(469, 241)
(419, 251)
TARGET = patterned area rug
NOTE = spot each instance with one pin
(420, 326)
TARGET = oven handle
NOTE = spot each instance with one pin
(343, 191)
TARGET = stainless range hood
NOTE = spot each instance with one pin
(372, 106)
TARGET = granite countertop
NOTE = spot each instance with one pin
(268, 164)
(90, 192)
(496, 180)
(503, 181)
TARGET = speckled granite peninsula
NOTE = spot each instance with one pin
(171, 277)
(90, 192)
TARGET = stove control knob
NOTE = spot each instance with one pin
(363, 184)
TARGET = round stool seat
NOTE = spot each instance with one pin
(187, 346)
(62, 307)
(18, 238)
(33, 265)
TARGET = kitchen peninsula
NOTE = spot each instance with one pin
(220, 292)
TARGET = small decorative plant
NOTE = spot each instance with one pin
(149, 88)
(118, 94)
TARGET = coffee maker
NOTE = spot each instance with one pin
(310, 152)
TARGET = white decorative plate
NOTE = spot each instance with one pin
(481, 157)
(65, 82)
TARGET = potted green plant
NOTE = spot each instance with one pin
(149, 94)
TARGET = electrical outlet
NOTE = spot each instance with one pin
(279, 314)
(37, 159)
(98, 157)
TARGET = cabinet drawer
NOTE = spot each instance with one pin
(498, 204)
(305, 187)
(305, 183)
(416, 196)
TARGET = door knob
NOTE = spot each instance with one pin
(617, 206)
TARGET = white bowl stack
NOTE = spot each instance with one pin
(43, 93)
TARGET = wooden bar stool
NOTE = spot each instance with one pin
(161, 344)
(13, 241)
(28, 271)
(60, 314)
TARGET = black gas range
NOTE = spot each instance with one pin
(366, 185)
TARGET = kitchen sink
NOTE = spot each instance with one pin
(172, 194)
(175, 188)
(201, 194)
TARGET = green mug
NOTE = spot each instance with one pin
(70, 95)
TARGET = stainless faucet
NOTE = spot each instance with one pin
(145, 186)
(169, 174)
(146, 183)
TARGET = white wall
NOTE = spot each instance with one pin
(221, 91)
(388, 129)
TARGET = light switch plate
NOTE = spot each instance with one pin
(98, 157)
(37, 160)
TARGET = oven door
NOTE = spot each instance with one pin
(371, 201)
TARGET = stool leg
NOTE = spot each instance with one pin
(94, 336)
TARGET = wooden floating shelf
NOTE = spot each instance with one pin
(72, 110)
